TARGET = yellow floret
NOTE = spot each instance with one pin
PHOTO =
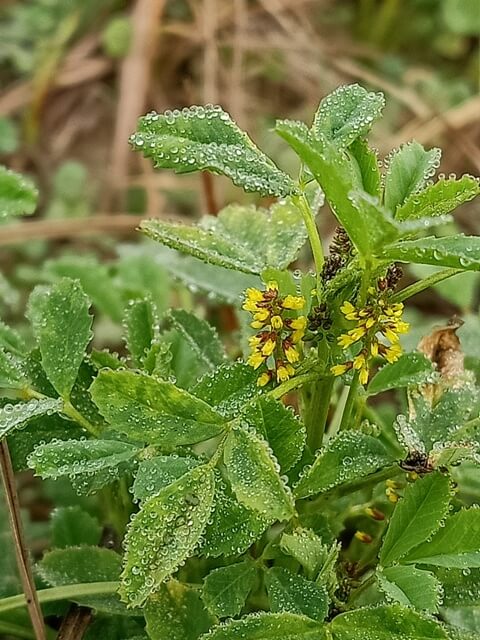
(293, 302)
(269, 347)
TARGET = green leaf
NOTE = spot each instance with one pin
(206, 138)
(228, 389)
(461, 16)
(459, 251)
(157, 473)
(440, 198)
(79, 565)
(89, 464)
(366, 223)
(202, 337)
(307, 548)
(241, 237)
(61, 311)
(18, 195)
(365, 161)
(12, 374)
(410, 369)
(386, 622)
(254, 476)
(268, 626)
(416, 517)
(176, 612)
(226, 589)
(72, 526)
(16, 416)
(461, 587)
(165, 532)
(409, 168)
(289, 592)
(346, 457)
(153, 411)
(95, 280)
(139, 322)
(232, 528)
(411, 587)
(11, 340)
(456, 544)
(438, 424)
(280, 427)
(219, 283)
(347, 114)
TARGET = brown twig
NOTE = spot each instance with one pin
(21, 552)
(121, 224)
(134, 84)
(75, 623)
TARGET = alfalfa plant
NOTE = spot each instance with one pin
(266, 496)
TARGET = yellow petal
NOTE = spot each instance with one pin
(363, 377)
(269, 347)
(339, 369)
(276, 322)
(292, 354)
(293, 302)
(264, 379)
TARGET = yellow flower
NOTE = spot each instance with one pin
(264, 378)
(250, 305)
(298, 323)
(255, 295)
(261, 314)
(254, 341)
(272, 285)
(256, 324)
(390, 334)
(269, 347)
(340, 369)
(345, 340)
(366, 538)
(374, 348)
(256, 359)
(276, 322)
(363, 377)
(347, 307)
(359, 362)
(282, 373)
(393, 353)
(291, 353)
(293, 302)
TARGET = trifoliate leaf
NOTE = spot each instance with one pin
(200, 335)
(290, 592)
(156, 473)
(411, 587)
(226, 589)
(16, 416)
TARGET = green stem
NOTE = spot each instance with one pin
(293, 383)
(317, 413)
(66, 592)
(421, 285)
(352, 393)
(313, 236)
(70, 411)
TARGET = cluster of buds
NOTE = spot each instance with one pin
(375, 322)
(391, 491)
(392, 277)
(340, 253)
(275, 345)
(319, 318)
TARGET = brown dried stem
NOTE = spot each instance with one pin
(21, 552)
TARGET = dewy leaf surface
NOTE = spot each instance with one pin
(139, 323)
(283, 431)
(153, 411)
(241, 237)
(90, 464)
(346, 457)
(386, 622)
(456, 544)
(411, 587)
(226, 589)
(290, 592)
(165, 532)
(459, 252)
(18, 195)
(62, 326)
(254, 475)
(15, 416)
(206, 138)
(347, 114)
(232, 527)
(408, 171)
(410, 368)
(176, 612)
(269, 626)
(416, 516)
(200, 335)
(440, 198)
(156, 473)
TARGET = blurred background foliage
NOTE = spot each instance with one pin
(76, 74)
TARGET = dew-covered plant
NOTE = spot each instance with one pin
(255, 483)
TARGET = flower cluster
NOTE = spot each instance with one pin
(376, 321)
(276, 343)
